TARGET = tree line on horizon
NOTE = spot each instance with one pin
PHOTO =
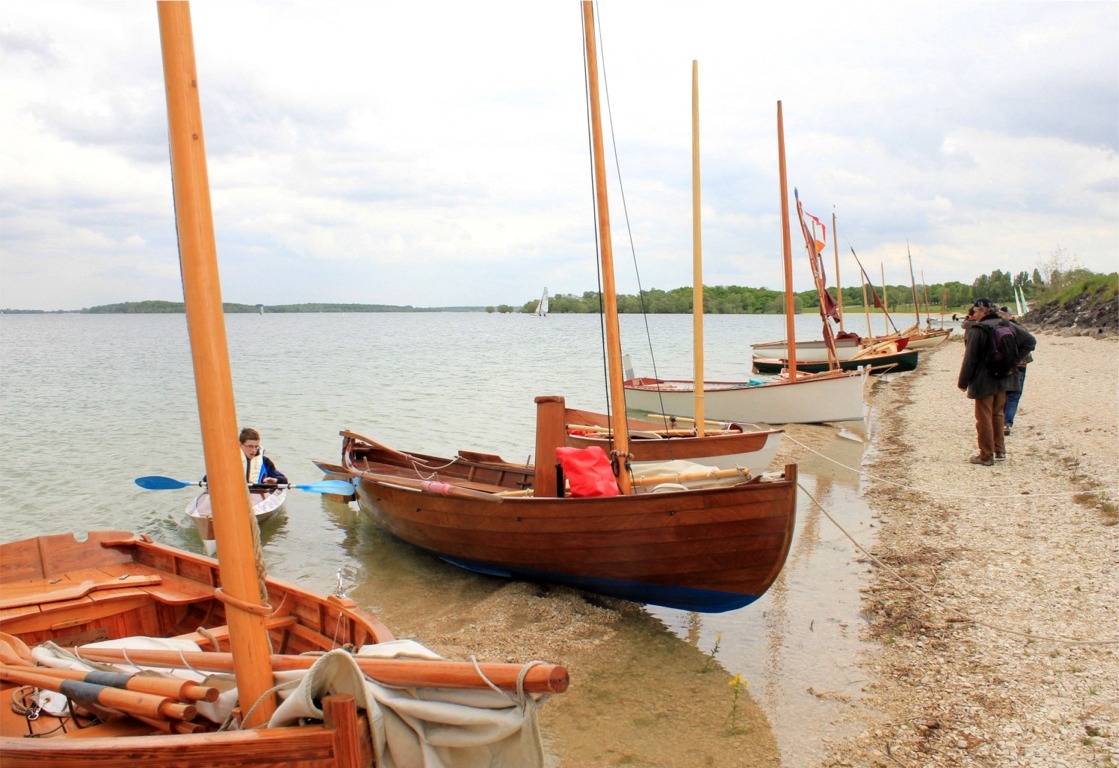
(998, 286)
(1053, 278)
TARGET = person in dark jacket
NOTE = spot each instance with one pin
(989, 392)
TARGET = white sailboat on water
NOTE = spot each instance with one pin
(542, 305)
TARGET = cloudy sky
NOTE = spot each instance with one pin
(436, 153)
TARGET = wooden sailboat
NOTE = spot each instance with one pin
(836, 395)
(722, 445)
(710, 543)
(922, 338)
(114, 586)
(883, 355)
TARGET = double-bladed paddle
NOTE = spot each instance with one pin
(158, 483)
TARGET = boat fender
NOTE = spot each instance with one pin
(666, 487)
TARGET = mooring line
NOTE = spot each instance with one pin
(971, 494)
(932, 599)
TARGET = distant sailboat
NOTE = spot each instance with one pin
(542, 307)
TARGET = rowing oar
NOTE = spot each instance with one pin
(146, 705)
(405, 673)
(183, 690)
(157, 483)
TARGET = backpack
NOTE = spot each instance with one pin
(1002, 360)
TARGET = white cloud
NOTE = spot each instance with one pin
(435, 153)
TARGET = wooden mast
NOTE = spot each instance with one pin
(245, 613)
(787, 249)
(697, 264)
(913, 282)
(885, 300)
(609, 295)
(838, 285)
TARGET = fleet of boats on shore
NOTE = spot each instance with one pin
(667, 497)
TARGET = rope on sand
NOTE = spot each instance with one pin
(933, 599)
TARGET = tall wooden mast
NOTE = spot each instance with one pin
(245, 611)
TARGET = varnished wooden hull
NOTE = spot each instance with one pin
(114, 584)
(710, 550)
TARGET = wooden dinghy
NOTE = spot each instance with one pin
(707, 549)
(264, 508)
(114, 584)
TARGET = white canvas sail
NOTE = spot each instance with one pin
(542, 306)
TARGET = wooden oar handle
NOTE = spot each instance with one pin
(160, 686)
(129, 702)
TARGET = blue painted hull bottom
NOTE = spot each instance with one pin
(667, 596)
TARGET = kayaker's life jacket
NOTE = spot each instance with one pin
(254, 468)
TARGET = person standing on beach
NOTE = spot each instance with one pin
(978, 380)
(1013, 397)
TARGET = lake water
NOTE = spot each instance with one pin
(90, 402)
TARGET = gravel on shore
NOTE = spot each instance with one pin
(993, 607)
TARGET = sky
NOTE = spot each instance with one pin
(437, 154)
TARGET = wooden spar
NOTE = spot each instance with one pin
(697, 259)
(838, 285)
(913, 282)
(213, 379)
(406, 673)
(885, 301)
(928, 306)
(810, 245)
(787, 249)
(866, 311)
(609, 292)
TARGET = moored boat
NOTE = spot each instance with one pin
(702, 549)
(887, 362)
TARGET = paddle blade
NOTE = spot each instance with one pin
(157, 483)
(340, 487)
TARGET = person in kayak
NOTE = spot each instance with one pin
(259, 469)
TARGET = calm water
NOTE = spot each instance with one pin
(90, 402)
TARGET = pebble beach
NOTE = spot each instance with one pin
(994, 602)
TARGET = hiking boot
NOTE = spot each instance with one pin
(1000, 455)
(981, 460)
(1006, 429)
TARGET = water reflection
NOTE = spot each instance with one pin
(798, 645)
